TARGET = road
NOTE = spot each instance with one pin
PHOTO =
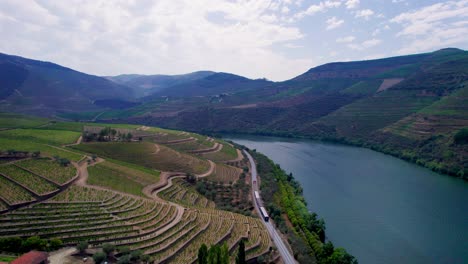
(283, 250)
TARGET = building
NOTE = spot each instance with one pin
(32, 257)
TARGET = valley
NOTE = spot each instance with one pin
(132, 193)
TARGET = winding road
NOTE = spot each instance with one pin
(282, 248)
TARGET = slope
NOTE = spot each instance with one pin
(46, 88)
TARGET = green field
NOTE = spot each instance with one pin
(10, 120)
(52, 137)
(46, 150)
(105, 176)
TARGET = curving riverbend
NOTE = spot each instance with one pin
(380, 208)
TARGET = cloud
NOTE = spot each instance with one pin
(109, 37)
(435, 26)
(333, 23)
(347, 39)
(350, 4)
(320, 7)
(365, 44)
(365, 13)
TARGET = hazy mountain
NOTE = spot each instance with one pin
(46, 88)
(409, 106)
(144, 85)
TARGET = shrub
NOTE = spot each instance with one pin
(99, 257)
(461, 137)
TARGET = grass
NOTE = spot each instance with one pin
(143, 154)
(109, 176)
(52, 137)
(226, 153)
(49, 151)
(10, 120)
(363, 87)
(7, 258)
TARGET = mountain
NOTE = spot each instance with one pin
(414, 107)
(45, 88)
(408, 106)
(144, 85)
(214, 84)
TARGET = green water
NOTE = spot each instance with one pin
(380, 208)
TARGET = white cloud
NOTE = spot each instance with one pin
(350, 4)
(365, 44)
(320, 7)
(333, 23)
(347, 39)
(365, 13)
(435, 26)
(108, 37)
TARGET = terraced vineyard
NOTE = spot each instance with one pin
(161, 230)
(112, 198)
(225, 174)
(227, 153)
(33, 182)
(181, 192)
(12, 193)
(49, 169)
(146, 154)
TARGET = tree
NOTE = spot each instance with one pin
(203, 254)
(136, 255)
(339, 256)
(461, 137)
(55, 244)
(82, 246)
(124, 250)
(99, 257)
(129, 136)
(145, 259)
(125, 259)
(108, 248)
(10, 244)
(64, 162)
(240, 259)
(224, 254)
(34, 242)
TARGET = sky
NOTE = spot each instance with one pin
(273, 39)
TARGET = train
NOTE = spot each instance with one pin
(264, 214)
(262, 209)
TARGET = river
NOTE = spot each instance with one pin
(379, 208)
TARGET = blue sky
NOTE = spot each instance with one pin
(276, 39)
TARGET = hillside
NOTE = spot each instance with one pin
(44, 88)
(162, 193)
(409, 106)
(144, 85)
(135, 192)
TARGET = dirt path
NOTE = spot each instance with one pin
(62, 256)
(240, 157)
(157, 149)
(78, 141)
(209, 172)
(216, 147)
(83, 173)
(179, 141)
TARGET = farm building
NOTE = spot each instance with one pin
(32, 257)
